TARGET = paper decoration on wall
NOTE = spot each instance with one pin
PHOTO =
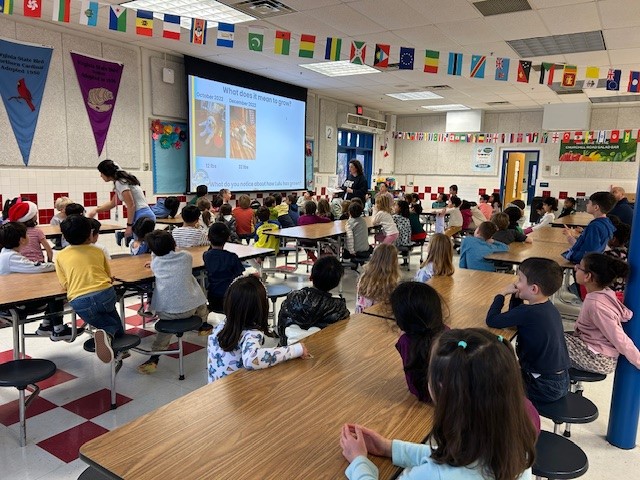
(99, 81)
(23, 74)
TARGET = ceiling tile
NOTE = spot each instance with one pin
(556, 3)
(440, 11)
(627, 37)
(626, 55)
(428, 37)
(469, 31)
(585, 59)
(571, 19)
(347, 20)
(400, 16)
(619, 13)
(514, 26)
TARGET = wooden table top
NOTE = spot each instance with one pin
(132, 269)
(519, 252)
(17, 288)
(467, 295)
(317, 230)
(280, 422)
(549, 235)
(170, 221)
(578, 219)
(54, 230)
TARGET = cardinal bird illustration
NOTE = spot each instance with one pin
(25, 94)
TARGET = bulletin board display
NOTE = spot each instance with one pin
(169, 156)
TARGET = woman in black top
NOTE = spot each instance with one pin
(355, 185)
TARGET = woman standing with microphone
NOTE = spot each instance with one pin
(355, 185)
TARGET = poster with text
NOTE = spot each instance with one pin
(599, 152)
(483, 161)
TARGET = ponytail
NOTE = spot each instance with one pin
(111, 169)
(605, 269)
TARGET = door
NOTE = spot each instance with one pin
(532, 178)
(513, 177)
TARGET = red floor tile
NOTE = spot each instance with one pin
(133, 306)
(7, 355)
(187, 347)
(141, 332)
(135, 320)
(10, 414)
(56, 379)
(66, 445)
(94, 404)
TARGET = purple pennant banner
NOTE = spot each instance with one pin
(23, 75)
(99, 81)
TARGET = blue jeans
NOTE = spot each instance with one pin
(546, 388)
(99, 309)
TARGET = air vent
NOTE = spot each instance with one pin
(616, 99)
(438, 87)
(365, 124)
(499, 7)
(391, 66)
(263, 8)
(493, 104)
(558, 44)
(569, 91)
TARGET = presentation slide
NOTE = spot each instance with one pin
(243, 139)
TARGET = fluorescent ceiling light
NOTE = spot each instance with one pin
(426, 95)
(446, 108)
(339, 69)
(209, 10)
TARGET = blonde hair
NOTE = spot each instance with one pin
(244, 201)
(383, 203)
(381, 274)
(324, 210)
(204, 205)
(441, 255)
(61, 203)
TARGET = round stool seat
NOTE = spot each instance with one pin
(277, 291)
(573, 408)
(557, 457)
(92, 474)
(178, 326)
(125, 342)
(20, 373)
(584, 376)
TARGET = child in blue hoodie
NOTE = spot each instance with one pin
(597, 234)
(474, 249)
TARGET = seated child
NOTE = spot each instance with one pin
(595, 237)
(380, 277)
(549, 206)
(485, 207)
(222, 267)
(292, 201)
(307, 196)
(439, 260)
(177, 292)
(401, 219)
(73, 209)
(166, 207)
(262, 237)
(225, 216)
(84, 272)
(618, 249)
(244, 216)
(336, 204)
(356, 234)
(474, 249)
(13, 238)
(543, 355)
(206, 218)
(95, 235)
(417, 308)
(284, 219)
(455, 217)
(225, 195)
(417, 229)
(344, 210)
(216, 203)
(569, 207)
(467, 216)
(27, 213)
(270, 203)
(60, 205)
(238, 342)
(141, 228)
(598, 339)
(367, 208)
(310, 309)
(309, 218)
(505, 234)
(515, 216)
(441, 201)
(201, 192)
(382, 216)
(190, 234)
(324, 209)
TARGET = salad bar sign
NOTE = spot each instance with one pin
(599, 152)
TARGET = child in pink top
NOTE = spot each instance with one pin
(598, 338)
(26, 212)
(382, 216)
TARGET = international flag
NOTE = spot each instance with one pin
(171, 26)
(613, 79)
(634, 82)
(144, 23)
(255, 40)
(577, 137)
(588, 137)
(592, 76)
(478, 62)
(569, 76)
(282, 42)
(381, 57)
(61, 10)
(555, 137)
(627, 136)
(118, 18)
(358, 52)
(615, 136)
(546, 73)
(226, 33)
(524, 68)
(32, 8)
(334, 45)
(89, 13)
(6, 7)
(431, 60)
(502, 69)
(198, 34)
(602, 136)
(307, 45)
(455, 64)
(566, 137)
(407, 57)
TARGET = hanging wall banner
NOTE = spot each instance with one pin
(599, 152)
(99, 81)
(483, 160)
(23, 75)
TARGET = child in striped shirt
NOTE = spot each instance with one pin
(190, 234)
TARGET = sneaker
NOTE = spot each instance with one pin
(44, 330)
(148, 367)
(205, 329)
(65, 334)
(125, 354)
(103, 346)
(119, 237)
(127, 241)
(145, 313)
